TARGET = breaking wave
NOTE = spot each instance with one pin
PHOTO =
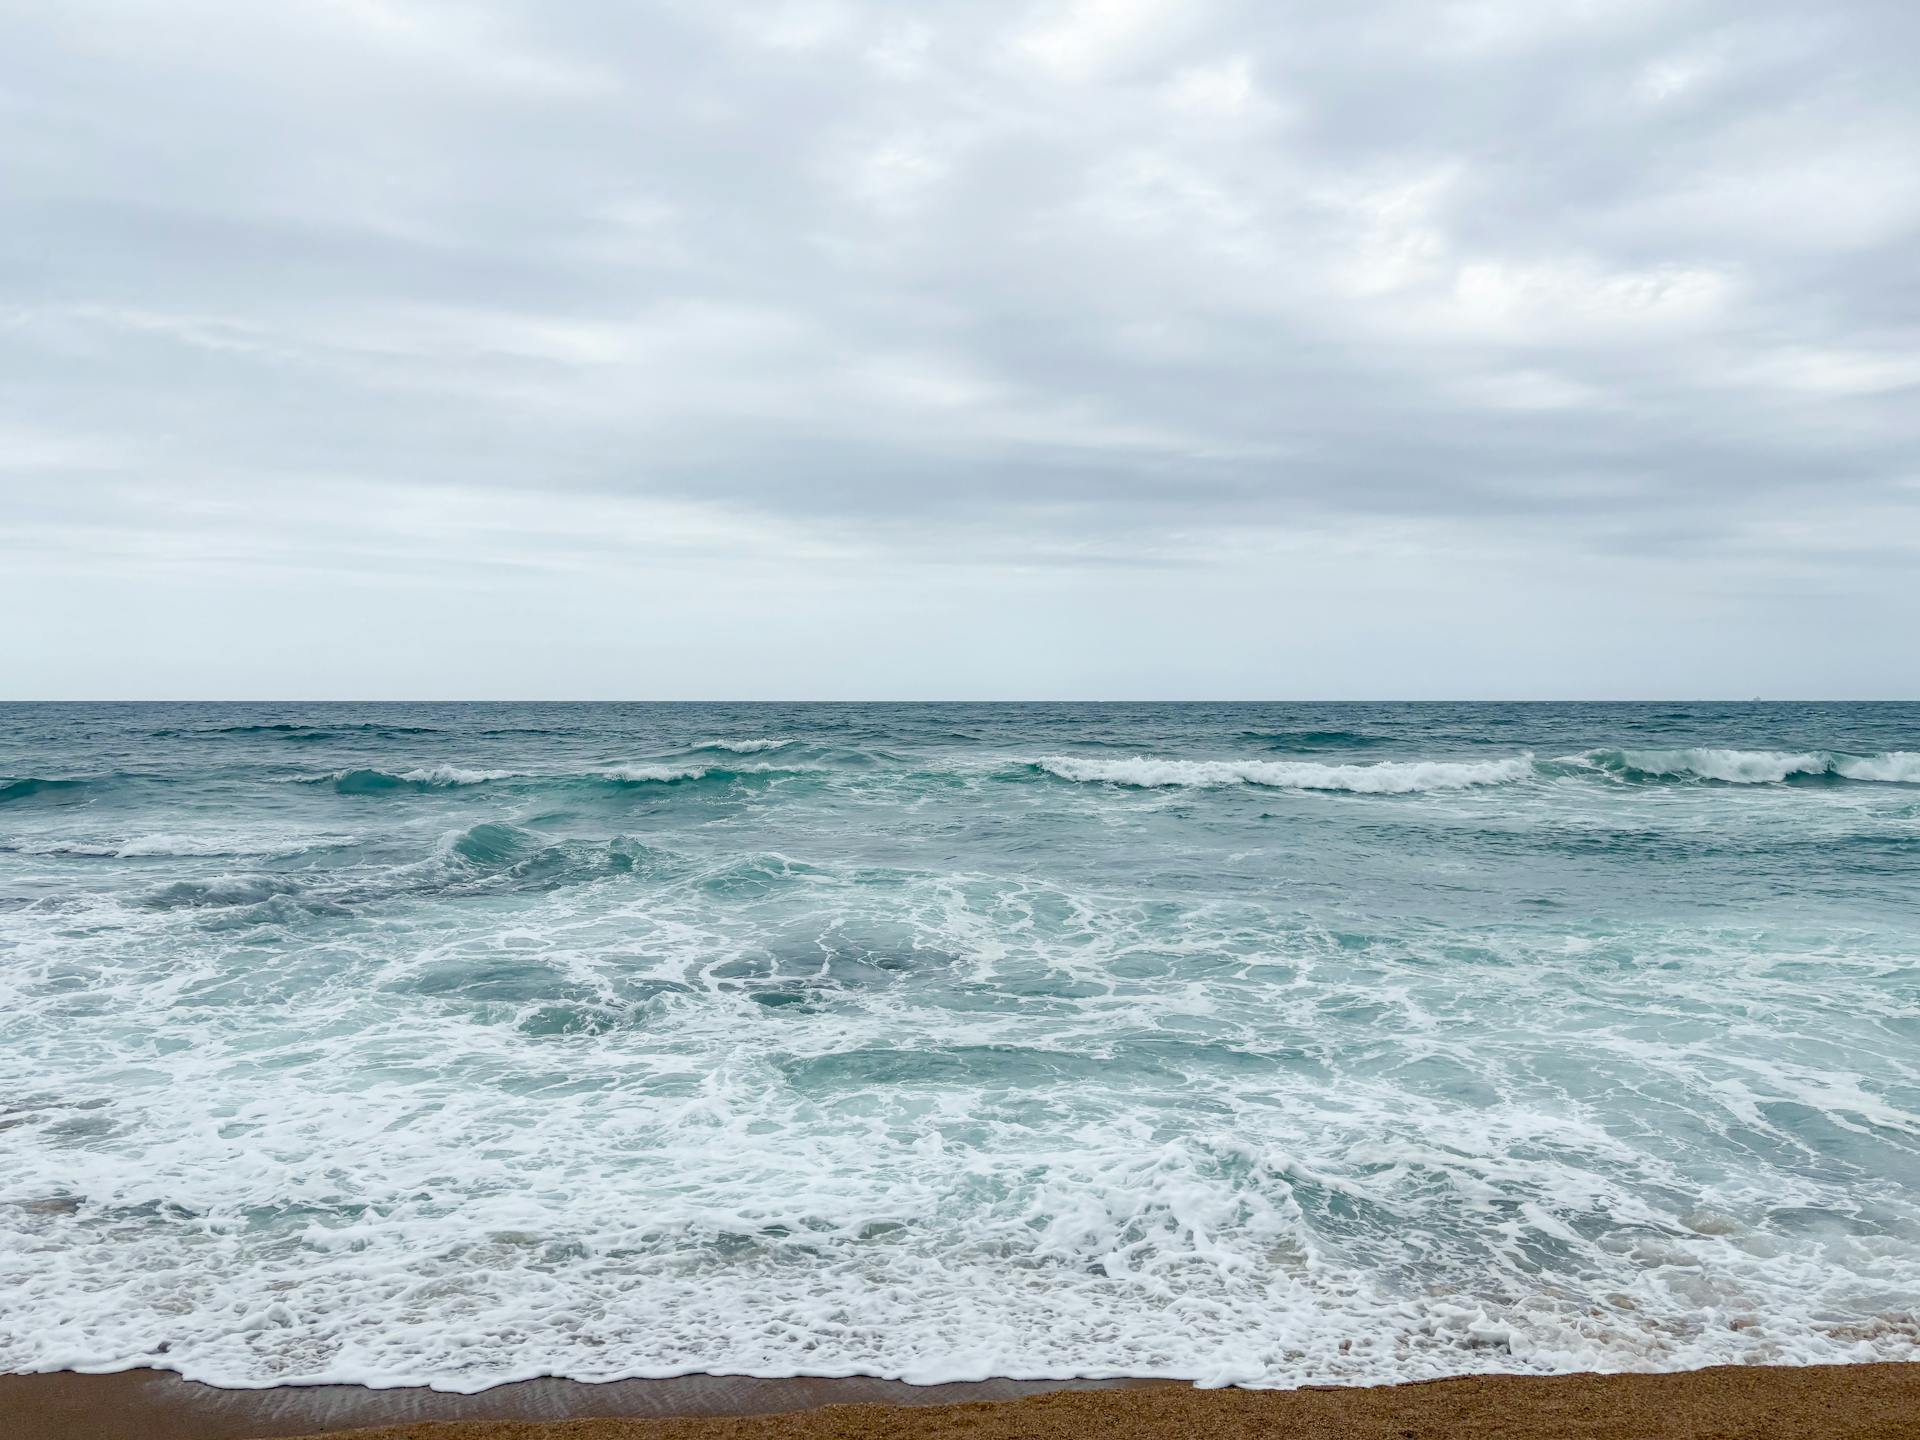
(658, 774)
(1393, 777)
(1757, 767)
(375, 782)
(674, 774)
(1402, 777)
(744, 747)
(173, 845)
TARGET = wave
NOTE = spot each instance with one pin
(675, 774)
(744, 747)
(287, 730)
(29, 786)
(1756, 767)
(1384, 778)
(493, 857)
(490, 843)
(175, 845)
(656, 774)
(454, 777)
(1395, 777)
(498, 851)
(374, 782)
(237, 892)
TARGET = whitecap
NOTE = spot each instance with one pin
(1389, 777)
(1757, 767)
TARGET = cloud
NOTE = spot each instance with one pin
(1043, 315)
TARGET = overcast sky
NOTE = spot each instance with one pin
(1106, 348)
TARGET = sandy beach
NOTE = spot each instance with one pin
(1871, 1402)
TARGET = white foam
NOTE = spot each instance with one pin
(437, 776)
(1763, 767)
(1014, 1111)
(1899, 767)
(656, 774)
(180, 845)
(453, 775)
(667, 774)
(1397, 777)
(745, 747)
(889, 1185)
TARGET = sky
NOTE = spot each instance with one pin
(1076, 349)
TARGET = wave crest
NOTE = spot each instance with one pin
(674, 774)
(1388, 777)
(29, 786)
(745, 747)
(657, 774)
(1757, 767)
(435, 777)
(453, 777)
(172, 845)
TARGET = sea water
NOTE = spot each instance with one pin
(1261, 1044)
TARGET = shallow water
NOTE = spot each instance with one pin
(1252, 1043)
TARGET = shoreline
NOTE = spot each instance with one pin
(148, 1404)
(1869, 1400)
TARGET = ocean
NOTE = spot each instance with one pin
(1249, 1043)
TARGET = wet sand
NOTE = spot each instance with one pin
(1836, 1402)
(159, 1405)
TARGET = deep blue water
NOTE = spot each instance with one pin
(1263, 1043)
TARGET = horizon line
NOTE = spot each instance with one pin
(1078, 700)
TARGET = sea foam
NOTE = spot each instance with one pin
(1383, 778)
(586, 1053)
(1759, 767)
(668, 774)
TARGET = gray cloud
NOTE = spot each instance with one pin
(1105, 347)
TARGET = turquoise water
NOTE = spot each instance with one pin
(1250, 1043)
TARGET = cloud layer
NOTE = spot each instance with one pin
(1108, 347)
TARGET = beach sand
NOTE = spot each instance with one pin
(159, 1405)
(1727, 1403)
